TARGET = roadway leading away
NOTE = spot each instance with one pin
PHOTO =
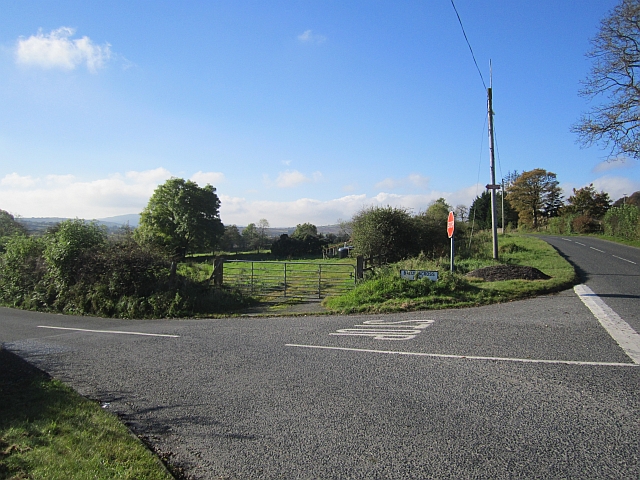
(531, 389)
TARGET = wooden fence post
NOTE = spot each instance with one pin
(218, 271)
(359, 267)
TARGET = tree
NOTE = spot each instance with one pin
(9, 226)
(182, 218)
(386, 231)
(250, 237)
(461, 213)
(535, 195)
(231, 239)
(586, 201)
(615, 123)
(305, 229)
(263, 224)
(480, 213)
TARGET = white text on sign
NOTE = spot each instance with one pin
(419, 274)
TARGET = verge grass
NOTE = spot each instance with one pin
(385, 291)
(47, 431)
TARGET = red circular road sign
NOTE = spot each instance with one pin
(450, 224)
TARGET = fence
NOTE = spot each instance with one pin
(286, 279)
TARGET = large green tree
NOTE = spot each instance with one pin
(535, 195)
(182, 218)
(614, 122)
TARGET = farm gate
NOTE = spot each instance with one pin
(288, 279)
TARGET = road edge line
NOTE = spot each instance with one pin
(624, 335)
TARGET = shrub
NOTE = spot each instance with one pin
(622, 222)
(22, 269)
(64, 246)
(385, 231)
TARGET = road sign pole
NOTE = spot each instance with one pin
(451, 226)
(452, 253)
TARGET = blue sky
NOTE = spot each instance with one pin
(299, 111)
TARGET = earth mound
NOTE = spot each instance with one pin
(508, 272)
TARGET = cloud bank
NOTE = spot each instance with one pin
(58, 50)
(129, 192)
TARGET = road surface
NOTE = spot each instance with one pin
(530, 389)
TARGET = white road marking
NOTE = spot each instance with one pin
(386, 330)
(620, 331)
(466, 357)
(630, 261)
(581, 244)
(566, 239)
(110, 331)
(596, 249)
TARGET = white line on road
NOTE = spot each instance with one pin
(620, 331)
(111, 331)
(596, 249)
(466, 357)
(566, 239)
(581, 244)
(630, 261)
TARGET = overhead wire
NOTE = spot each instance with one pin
(468, 44)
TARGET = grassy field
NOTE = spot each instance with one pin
(47, 431)
(385, 291)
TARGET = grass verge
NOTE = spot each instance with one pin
(385, 291)
(47, 431)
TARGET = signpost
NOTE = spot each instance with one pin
(451, 225)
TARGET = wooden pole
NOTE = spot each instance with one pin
(494, 225)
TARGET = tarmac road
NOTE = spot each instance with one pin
(530, 389)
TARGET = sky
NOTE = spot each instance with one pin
(296, 111)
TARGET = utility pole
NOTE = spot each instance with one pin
(494, 226)
(502, 198)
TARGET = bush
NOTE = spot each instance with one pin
(622, 222)
(64, 246)
(75, 269)
(22, 269)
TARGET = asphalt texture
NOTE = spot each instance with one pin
(529, 389)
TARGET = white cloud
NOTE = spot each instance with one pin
(389, 184)
(616, 187)
(292, 178)
(415, 180)
(309, 37)
(239, 211)
(418, 180)
(616, 164)
(16, 181)
(211, 178)
(67, 196)
(58, 50)
(129, 192)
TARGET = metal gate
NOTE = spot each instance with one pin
(289, 279)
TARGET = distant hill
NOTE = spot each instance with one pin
(633, 199)
(132, 219)
(41, 224)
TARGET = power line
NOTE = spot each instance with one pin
(469, 44)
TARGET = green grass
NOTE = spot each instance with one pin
(384, 291)
(47, 431)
